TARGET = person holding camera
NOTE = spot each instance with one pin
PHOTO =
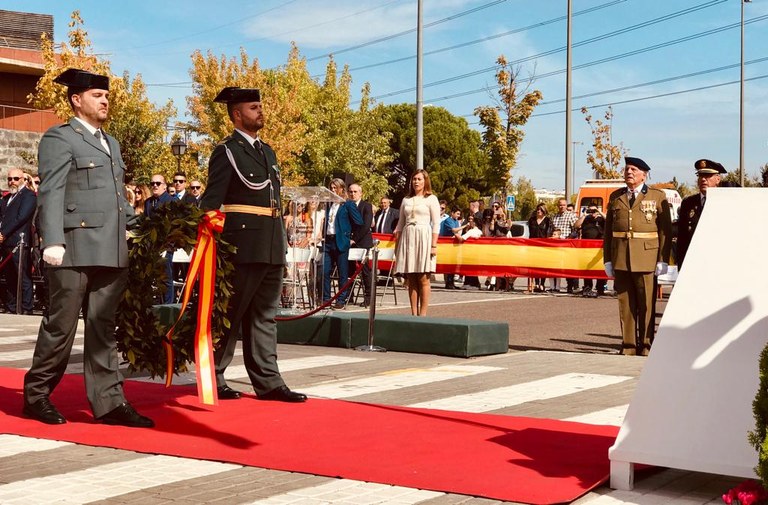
(592, 226)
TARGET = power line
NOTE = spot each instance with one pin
(489, 38)
(660, 95)
(209, 30)
(592, 40)
(605, 60)
(406, 32)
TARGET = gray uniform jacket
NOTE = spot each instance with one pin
(81, 200)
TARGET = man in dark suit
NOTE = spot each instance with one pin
(195, 193)
(636, 247)
(83, 217)
(362, 238)
(244, 181)
(338, 235)
(386, 217)
(180, 186)
(708, 175)
(17, 209)
(160, 196)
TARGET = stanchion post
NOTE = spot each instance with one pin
(372, 306)
(19, 273)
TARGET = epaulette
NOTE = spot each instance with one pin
(616, 194)
(224, 140)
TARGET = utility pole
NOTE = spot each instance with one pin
(419, 97)
(568, 159)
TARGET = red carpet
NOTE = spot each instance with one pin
(508, 458)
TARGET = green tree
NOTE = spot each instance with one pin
(503, 125)
(137, 124)
(453, 157)
(525, 198)
(604, 157)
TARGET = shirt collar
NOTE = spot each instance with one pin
(250, 139)
(87, 126)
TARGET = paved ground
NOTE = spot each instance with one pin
(563, 345)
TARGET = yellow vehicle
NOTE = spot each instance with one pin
(595, 192)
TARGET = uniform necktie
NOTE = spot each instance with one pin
(632, 199)
(101, 138)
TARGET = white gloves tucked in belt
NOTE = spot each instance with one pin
(53, 255)
(661, 268)
(609, 269)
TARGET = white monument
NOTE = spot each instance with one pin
(692, 408)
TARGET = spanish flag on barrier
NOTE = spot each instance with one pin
(515, 257)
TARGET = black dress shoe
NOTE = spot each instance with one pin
(338, 306)
(283, 394)
(125, 415)
(43, 411)
(227, 393)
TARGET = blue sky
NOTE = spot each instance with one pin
(462, 39)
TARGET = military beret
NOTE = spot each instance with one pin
(234, 94)
(709, 167)
(637, 162)
(76, 78)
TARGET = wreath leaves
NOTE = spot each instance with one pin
(140, 333)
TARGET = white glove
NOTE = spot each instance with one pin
(609, 269)
(53, 255)
(661, 268)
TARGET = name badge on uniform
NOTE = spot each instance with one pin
(648, 207)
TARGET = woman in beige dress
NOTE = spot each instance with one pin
(416, 240)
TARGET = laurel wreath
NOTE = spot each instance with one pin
(140, 334)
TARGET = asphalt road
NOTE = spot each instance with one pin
(559, 322)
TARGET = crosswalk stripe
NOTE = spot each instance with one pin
(29, 338)
(238, 372)
(395, 379)
(108, 481)
(351, 491)
(11, 445)
(613, 416)
(27, 353)
(508, 396)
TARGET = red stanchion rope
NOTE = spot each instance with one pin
(327, 303)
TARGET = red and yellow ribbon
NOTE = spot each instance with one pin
(515, 257)
(202, 265)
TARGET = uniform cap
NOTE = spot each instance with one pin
(637, 162)
(76, 78)
(238, 95)
(709, 167)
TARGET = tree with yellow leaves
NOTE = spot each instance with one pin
(310, 125)
(133, 120)
(604, 157)
(503, 124)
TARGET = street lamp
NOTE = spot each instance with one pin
(178, 147)
(741, 100)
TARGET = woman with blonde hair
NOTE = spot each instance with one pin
(416, 240)
(142, 192)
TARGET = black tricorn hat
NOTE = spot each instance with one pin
(76, 78)
(709, 167)
(234, 94)
(637, 162)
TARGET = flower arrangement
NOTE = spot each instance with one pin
(749, 492)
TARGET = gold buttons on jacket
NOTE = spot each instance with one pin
(82, 224)
(91, 164)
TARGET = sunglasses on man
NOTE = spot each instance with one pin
(179, 181)
(156, 183)
(195, 187)
(14, 179)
